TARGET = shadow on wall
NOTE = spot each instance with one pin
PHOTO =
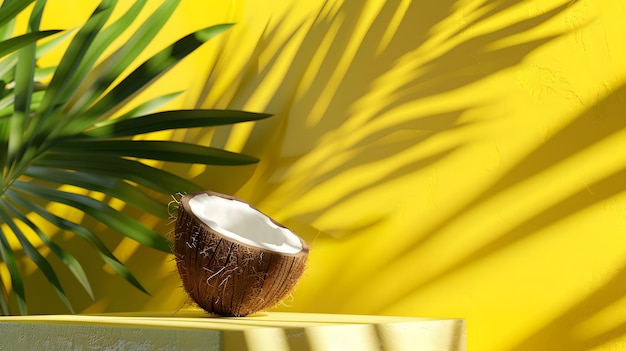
(582, 133)
(355, 95)
(564, 331)
(597, 124)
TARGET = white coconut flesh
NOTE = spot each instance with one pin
(238, 221)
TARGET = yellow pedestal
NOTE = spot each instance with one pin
(194, 330)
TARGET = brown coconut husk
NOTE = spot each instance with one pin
(227, 277)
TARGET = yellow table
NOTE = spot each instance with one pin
(194, 330)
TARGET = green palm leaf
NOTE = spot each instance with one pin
(70, 261)
(17, 285)
(142, 109)
(4, 299)
(70, 132)
(75, 54)
(155, 150)
(146, 73)
(171, 120)
(98, 210)
(111, 166)
(8, 63)
(30, 250)
(10, 9)
(102, 76)
(64, 224)
(113, 186)
(10, 45)
(24, 85)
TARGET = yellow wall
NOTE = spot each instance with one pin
(442, 158)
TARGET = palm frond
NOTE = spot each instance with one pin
(99, 210)
(114, 186)
(155, 150)
(17, 284)
(70, 261)
(132, 170)
(34, 255)
(13, 44)
(10, 9)
(166, 120)
(69, 131)
(79, 230)
(148, 71)
(4, 299)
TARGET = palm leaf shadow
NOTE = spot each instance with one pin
(582, 133)
(560, 333)
(456, 67)
(289, 131)
(253, 74)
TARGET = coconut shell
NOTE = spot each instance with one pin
(227, 277)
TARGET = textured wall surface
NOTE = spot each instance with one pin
(442, 159)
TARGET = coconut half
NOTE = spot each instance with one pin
(233, 259)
